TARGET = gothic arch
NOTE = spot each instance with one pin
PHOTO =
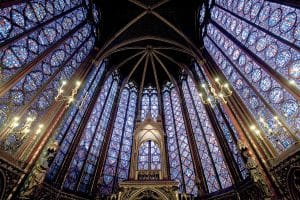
(161, 194)
(293, 182)
(148, 130)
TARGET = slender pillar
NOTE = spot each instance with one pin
(202, 186)
(162, 117)
(97, 181)
(237, 114)
(57, 110)
(140, 92)
(71, 151)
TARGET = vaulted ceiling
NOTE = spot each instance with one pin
(150, 48)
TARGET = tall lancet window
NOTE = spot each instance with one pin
(212, 159)
(85, 161)
(65, 133)
(181, 164)
(149, 103)
(119, 152)
(257, 50)
(41, 43)
(149, 156)
(228, 129)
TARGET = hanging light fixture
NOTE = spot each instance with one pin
(18, 132)
(211, 95)
(69, 98)
(272, 129)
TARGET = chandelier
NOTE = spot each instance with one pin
(69, 98)
(18, 132)
(211, 95)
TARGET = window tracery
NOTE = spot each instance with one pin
(149, 103)
(181, 164)
(42, 42)
(85, 159)
(215, 168)
(65, 134)
(255, 45)
(117, 163)
(149, 156)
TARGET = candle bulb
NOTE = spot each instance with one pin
(209, 101)
(15, 122)
(205, 88)
(78, 83)
(71, 99)
(226, 86)
(39, 130)
(217, 80)
(60, 90)
(221, 95)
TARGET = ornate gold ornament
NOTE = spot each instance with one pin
(211, 95)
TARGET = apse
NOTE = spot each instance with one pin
(149, 99)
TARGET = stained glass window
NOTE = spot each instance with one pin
(41, 44)
(66, 132)
(19, 53)
(272, 18)
(145, 105)
(149, 157)
(256, 96)
(26, 16)
(202, 14)
(215, 169)
(181, 164)
(84, 163)
(119, 152)
(49, 67)
(256, 46)
(149, 103)
(228, 129)
(96, 14)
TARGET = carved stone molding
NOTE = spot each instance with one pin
(246, 191)
(45, 191)
(161, 190)
(11, 175)
(286, 171)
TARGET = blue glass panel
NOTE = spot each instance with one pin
(21, 52)
(47, 69)
(89, 146)
(24, 16)
(66, 131)
(179, 155)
